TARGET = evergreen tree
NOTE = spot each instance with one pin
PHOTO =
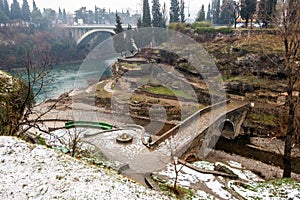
(208, 15)
(266, 11)
(215, 11)
(156, 14)
(6, 8)
(15, 10)
(64, 16)
(225, 17)
(34, 7)
(146, 21)
(233, 8)
(139, 23)
(3, 17)
(60, 17)
(248, 8)
(36, 16)
(97, 15)
(1, 6)
(182, 15)
(201, 14)
(174, 11)
(25, 11)
(118, 25)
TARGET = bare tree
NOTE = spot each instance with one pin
(18, 105)
(288, 26)
(176, 164)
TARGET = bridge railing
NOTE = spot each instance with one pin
(194, 116)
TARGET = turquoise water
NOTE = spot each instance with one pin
(63, 78)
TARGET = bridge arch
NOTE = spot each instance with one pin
(227, 129)
(94, 31)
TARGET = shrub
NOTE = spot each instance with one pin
(181, 27)
(14, 99)
(225, 30)
(202, 30)
(201, 24)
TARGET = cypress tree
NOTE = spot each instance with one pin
(64, 16)
(215, 11)
(201, 14)
(60, 14)
(182, 15)
(25, 11)
(36, 15)
(118, 25)
(208, 15)
(34, 7)
(15, 10)
(1, 6)
(6, 8)
(146, 21)
(248, 8)
(266, 11)
(139, 23)
(225, 17)
(174, 11)
(156, 14)
(3, 16)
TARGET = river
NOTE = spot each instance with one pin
(61, 79)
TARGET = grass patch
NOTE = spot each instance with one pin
(263, 118)
(166, 91)
(261, 44)
(284, 181)
(247, 79)
(182, 27)
(129, 65)
(202, 24)
(168, 188)
(101, 92)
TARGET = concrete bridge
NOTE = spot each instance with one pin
(193, 137)
(84, 33)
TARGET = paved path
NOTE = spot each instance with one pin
(107, 87)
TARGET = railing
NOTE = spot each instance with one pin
(100, 125)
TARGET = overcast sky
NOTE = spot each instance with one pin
(132, 5)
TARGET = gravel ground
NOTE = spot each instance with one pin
(34, 172)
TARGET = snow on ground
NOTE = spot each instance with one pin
(249, 186)
(280, 189)
(187, 176)
(35, 172)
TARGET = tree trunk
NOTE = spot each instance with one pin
(290, 132)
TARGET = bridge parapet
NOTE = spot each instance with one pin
(80, 32)
(203, 126)
(185, 122)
